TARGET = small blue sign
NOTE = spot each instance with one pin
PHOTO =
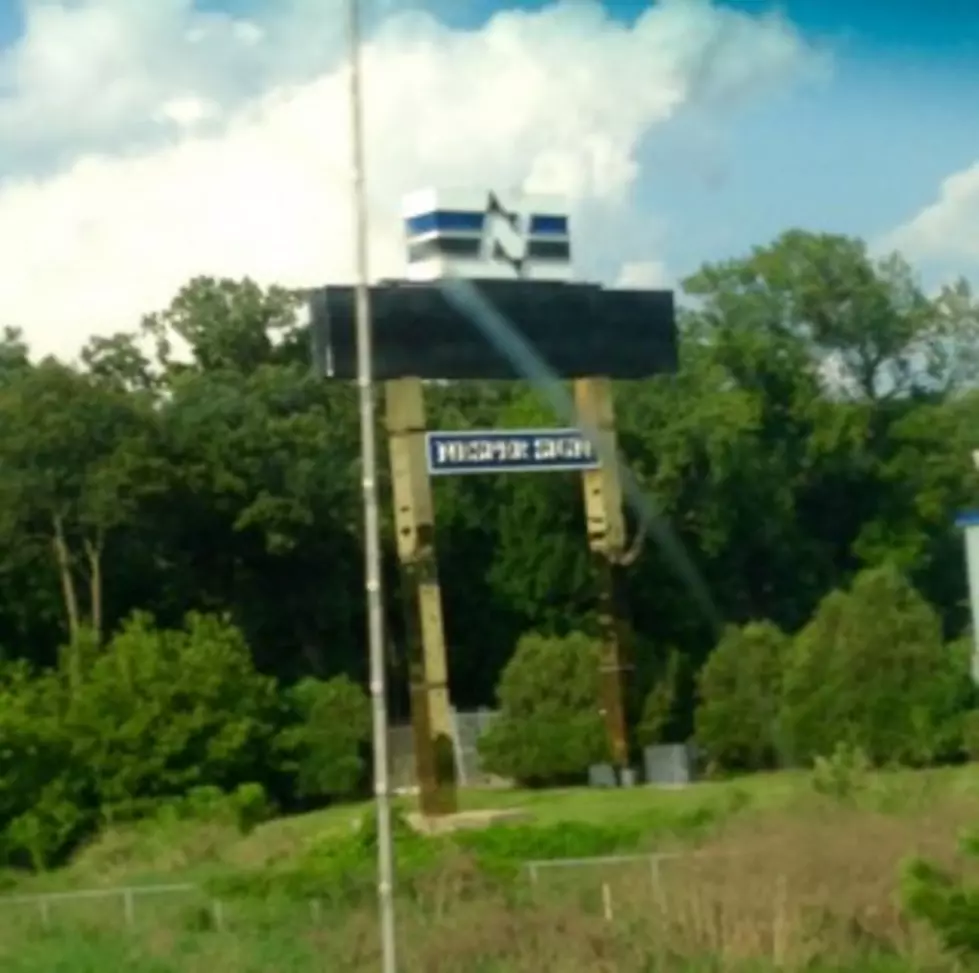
(509, 451)
(967, 518)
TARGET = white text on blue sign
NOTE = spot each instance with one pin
(511, 451)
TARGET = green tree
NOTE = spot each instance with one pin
(76, 462)
(872, 671)
(739, 690)
(46, 801)
(325, 745)
(164, 711)
(549, 729)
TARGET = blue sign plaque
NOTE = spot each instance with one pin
(509, 451)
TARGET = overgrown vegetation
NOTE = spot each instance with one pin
(182, 623)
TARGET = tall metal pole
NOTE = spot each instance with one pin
(372, 543)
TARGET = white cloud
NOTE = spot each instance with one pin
(144, 143)
(644, 274)
(945, 230)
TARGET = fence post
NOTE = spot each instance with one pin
(314, 910)
(218, 911)
(607, 902)
(45, 912)
(129, 906)
(656, 882)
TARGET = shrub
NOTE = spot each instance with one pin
(945, 902)
(46, 798)
(325, 745)
(549, 729)
(165, 711)
(842, 775)
(658, 713)
(739, 690)
(871, 671)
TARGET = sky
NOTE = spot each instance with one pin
(144, 142)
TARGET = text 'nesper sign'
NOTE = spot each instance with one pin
(511, 451)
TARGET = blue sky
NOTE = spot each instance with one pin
(859, 153)
(113, 119)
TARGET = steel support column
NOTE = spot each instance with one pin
(605, 525)
(414, 521)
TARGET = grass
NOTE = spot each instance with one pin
(783, 879)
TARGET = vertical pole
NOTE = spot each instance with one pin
(971, 524)
(606, 538)
(431, 711)
(372, 542)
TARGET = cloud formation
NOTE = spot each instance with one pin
(145, 143)
(945, 230)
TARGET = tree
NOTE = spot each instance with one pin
(874, 332)
(871, 671)
(549, 728)
(739, 690)
(46, 799)
(76, 461)
(326, 741)
(163, 711)
(227, 325)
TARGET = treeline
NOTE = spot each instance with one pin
(197, 473)
(869, 679)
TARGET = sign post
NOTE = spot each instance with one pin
(605, 527)
(414, 522)
(518, 250)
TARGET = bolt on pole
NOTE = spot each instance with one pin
(372, 543)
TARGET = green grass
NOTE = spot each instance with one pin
(177, 933)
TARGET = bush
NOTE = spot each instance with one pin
(157, 717)
(970, 734)
(842, 775)
(659, 707)
(549, 729)
(46, 798)
(739, 690)
(339, 869)
(507, 847)
(871, 671)
(245, 808)
(946, 903)
(161, 712)
(325, 746)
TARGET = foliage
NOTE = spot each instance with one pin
(660, 704)
(246, 807)
(326, 743)
(739, 694)
(871, 671)
(821, 424)
(164, 711)
(946, 902)
(970, 734)
(549, 728)
(506, 848)
(843, 774)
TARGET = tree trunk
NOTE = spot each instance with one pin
(63, 558)
(93, 552)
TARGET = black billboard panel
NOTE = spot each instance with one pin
(578, 329)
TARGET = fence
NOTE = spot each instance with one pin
(467, 728)
(128, 896)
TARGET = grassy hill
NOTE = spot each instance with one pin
(789, 871)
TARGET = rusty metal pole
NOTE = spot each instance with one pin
(414, 520)
(606, 539)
